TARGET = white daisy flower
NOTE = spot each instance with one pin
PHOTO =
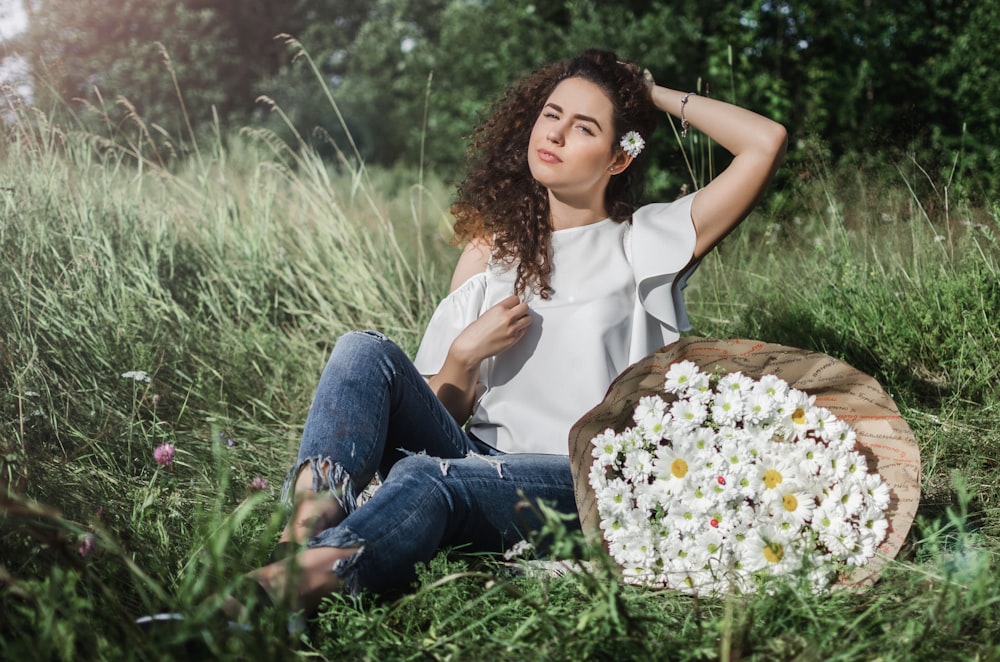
(873, 526)
(735, 382)
(598, 475)
(820, 420)
(772, 470)
(631, 438)
(638, 465)
(843, 541)
(614, 528)
(650, 417)
(725, 485)
(735, 522)
(614, 499)
(836, 464)
(810, 455)
(674, 463)
(773, 386)
(686, 520)
(727, 407)
(876, 490)
(793, 504)
(632, 143)
(852, 500)
(769, 550)
(681, 377)
(857, 466)
(688, 413)
(758, 407)
(701, 497)
(607, 446)
(829, 519)
(652, 496)
(864, 549)
(841, 436)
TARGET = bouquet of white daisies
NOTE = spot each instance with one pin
(726, 480)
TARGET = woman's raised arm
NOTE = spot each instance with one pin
(757, 145)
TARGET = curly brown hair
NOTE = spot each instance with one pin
(501, 201)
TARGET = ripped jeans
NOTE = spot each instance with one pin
(374, 413)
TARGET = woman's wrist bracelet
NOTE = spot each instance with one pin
(684, 121)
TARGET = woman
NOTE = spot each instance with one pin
(561, 285)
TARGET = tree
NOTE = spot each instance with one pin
(91, 52)
(412, 77)
(83, 51)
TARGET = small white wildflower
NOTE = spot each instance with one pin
(137, 375)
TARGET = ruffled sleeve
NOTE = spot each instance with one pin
(455, 312)
(661, 245)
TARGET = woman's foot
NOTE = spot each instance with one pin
(302, 580)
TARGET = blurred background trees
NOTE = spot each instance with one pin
(863, 79)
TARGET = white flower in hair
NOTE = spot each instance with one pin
(632, 143)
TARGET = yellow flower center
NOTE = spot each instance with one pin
(773, 552)
(799, 416)
(790, 503)
(772, 478)
(679, 468)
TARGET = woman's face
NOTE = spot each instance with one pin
(570, 150)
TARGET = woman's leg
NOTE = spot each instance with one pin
(425, 503)
(371, 407)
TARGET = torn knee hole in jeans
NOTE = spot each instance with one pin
(493, 460)
(327, 476)
(444, 465)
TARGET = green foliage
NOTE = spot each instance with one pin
(918, 316)
(119, 58)
(414, 77)
(227, 275)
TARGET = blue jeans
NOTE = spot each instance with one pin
(374, 413)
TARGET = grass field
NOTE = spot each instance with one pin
(217, 282)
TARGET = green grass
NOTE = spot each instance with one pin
(227, 274)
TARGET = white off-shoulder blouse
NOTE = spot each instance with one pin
(617, 298)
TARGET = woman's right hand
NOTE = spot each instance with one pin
(495, 330)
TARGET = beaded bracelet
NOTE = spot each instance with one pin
(684, 121)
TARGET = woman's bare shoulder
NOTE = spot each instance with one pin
(473, 260)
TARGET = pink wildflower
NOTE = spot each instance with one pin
(258, 484)
(86, 546)
(164, 454)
